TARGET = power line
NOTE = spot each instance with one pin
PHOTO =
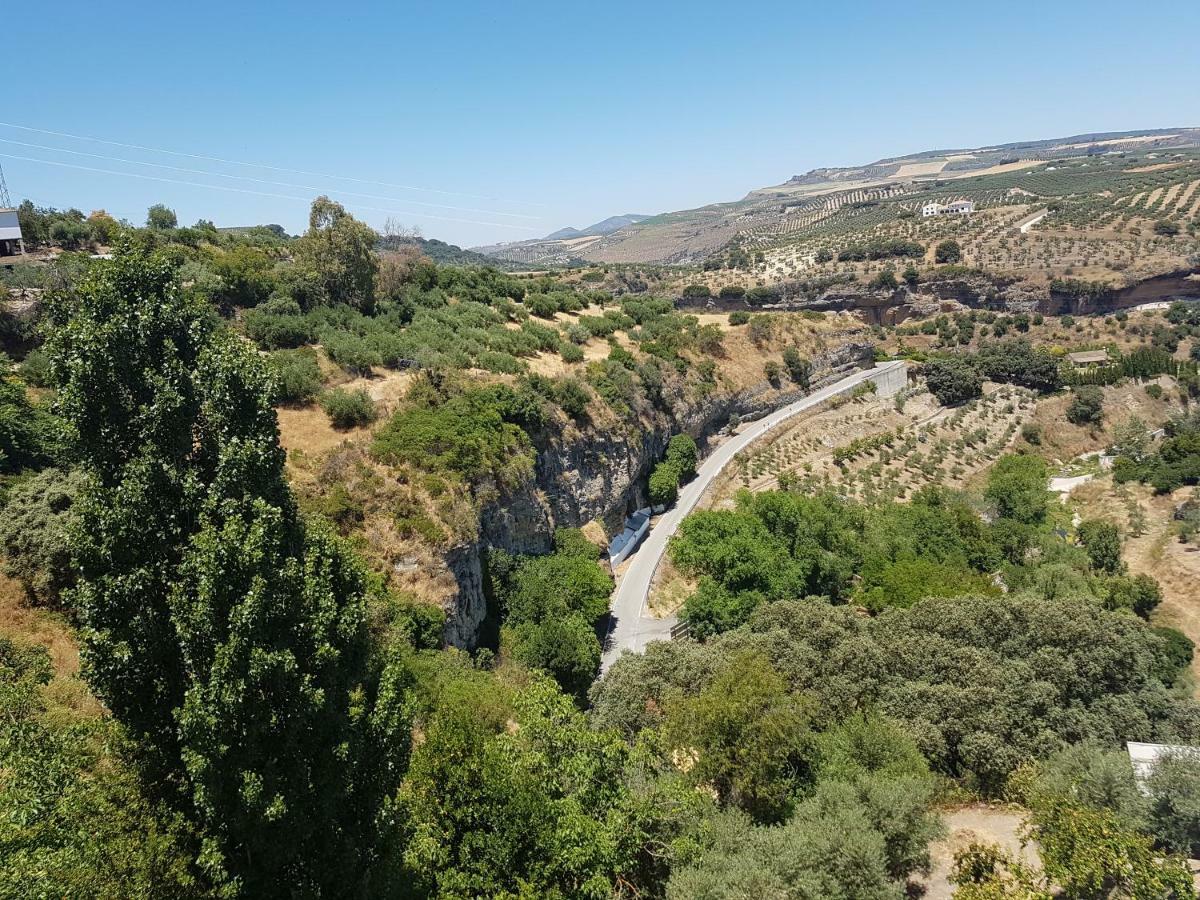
(218, 187)
(302, 187)
(234, 162)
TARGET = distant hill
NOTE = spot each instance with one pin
(1090, 173)
(608, 226)
(452, 255)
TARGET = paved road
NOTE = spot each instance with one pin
(1032, 220)
(630, 628)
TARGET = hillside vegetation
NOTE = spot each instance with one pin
(250, 482)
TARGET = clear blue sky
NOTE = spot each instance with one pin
(557, 114)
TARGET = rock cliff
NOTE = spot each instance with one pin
(601, 474)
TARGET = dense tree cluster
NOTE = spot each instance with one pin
(227, 636)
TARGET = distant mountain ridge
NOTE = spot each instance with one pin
(608, 226)
(804, 201)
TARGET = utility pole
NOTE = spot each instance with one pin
(5, 200)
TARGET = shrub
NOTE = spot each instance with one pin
(1154, 391)
(33, 533)
(297, 375)
(1086, 406)
(798, 368)
(732, 291)
(696, 292)
(348, 409)
(1032, 433)
(953, 380)
(573, 396)
(683, 454)
(739, 317)
(35, 369)
(664, 484)
(948, 252)
(571, 353)
(772, 370)
(351, 352)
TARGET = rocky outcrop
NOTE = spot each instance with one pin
(589, 474)
(971, 290)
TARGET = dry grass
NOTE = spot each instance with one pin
(66, 693)
(668, 590)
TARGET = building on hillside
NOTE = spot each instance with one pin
(1088, 358)
(1144, 758)
(957, 208)
(10, 233)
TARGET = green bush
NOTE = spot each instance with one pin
(571, 353)
(739, 317)
(34, 528)
(683, 454)
(664, 484)
(1086, 406)
(348, 409)
(35, 369)
(948, 252)
(952, 380)
(297, 375)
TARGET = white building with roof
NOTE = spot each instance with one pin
(1144, 757)
(956, 208)
(10, 233)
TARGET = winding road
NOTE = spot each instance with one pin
(629, 627)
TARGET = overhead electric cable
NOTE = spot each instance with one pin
(236, 162)
(301, 187)
(219, 187)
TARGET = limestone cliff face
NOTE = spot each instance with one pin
(973, 290)
(601, 474)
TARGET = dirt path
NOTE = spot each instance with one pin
(978, 823)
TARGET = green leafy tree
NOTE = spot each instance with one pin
(29, 435)
(746, 736)
(161, 218)
(1102, 541)
(76, 823)
(1089, 854)
(664, 484)
(952, 380)
(798, 368)
(1086, 406)
(1017, 487)
(230, 639)
(536, 809)
(337, 256)
(683, 453)
(948, 252)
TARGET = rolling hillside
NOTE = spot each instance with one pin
(1112, 184)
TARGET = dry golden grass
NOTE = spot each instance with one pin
(1156, 552)
(668, 590)
(67, 693)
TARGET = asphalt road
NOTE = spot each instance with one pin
(629, 626)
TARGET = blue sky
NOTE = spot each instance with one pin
(525, 117)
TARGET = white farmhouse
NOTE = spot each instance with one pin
(957, 208)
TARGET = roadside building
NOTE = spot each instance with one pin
(10, 233)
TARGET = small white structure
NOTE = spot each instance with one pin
(1144, 757)
(957, 208)
(10, 233)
